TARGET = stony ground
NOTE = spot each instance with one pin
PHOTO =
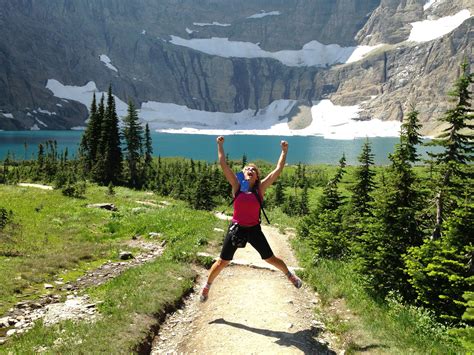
(252, 309)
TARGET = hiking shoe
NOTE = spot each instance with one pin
(204, 294)
(295, 280)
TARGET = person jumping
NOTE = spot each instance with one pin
(246, 216)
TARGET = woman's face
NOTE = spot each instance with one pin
(251, 174)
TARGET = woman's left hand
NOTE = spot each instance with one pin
(284, 146)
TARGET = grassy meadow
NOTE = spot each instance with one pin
(51, 236)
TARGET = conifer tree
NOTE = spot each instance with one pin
(244, 160)
(91, 138)
(133, 135)
(323, 226)
(202, 198)
(365, 183)
(279, 197)
(457, 140)
(331, 198)
(441, 270)
(304, 203)
(391, 229)
(109, 164)
(410, 134)
(148, 147)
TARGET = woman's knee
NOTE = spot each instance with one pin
(222, 263)
(272, 259)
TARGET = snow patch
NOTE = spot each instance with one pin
(312, 54)
(108, 63)
(34, 128)
(78, 128)
(211, 24)
(144, 32)
(263, 14)
(428, 30)
(328, 120)
(428, 4)
(41, 122)
(83, 94)
(189, 30)
(46, 112)
(7, 115)
(59, 105)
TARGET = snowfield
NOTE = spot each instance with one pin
(428, 30)
(328, 120)
(312, 54)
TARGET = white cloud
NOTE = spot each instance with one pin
(312, 53)
(108, 63)
(429, 30)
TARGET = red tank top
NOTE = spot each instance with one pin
(246, 209)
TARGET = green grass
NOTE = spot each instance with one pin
(55, 236)
(388, 327)
(132, 305)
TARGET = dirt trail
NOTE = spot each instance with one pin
(249, 311)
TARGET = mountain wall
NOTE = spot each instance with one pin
(64, 39)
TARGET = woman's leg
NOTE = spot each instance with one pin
(260, 243)
(278, 263)
(227, 253)
(216, 268)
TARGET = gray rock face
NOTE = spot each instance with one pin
(62, 40)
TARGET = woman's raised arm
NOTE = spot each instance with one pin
(228, 173)
(271, 178)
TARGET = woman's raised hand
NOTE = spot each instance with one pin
(284, 146)
(220, 140)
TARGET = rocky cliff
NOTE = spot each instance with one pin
(64, 39)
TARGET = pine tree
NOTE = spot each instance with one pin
(109, 165)
(365, 183)
(202, 198)
(410, 134)
(304, 201)
(133, 135)
(244, 160)
(331, 198)
(391, 229)
(91, 138)
(441, 270)
(323, 227)
(148, 147)
(279, 197)
(457, 139)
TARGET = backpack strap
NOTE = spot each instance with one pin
(260, 202)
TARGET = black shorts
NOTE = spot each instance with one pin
(255, 237)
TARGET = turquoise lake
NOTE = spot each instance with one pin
(308, 150)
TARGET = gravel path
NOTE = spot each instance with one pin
(250, 311)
